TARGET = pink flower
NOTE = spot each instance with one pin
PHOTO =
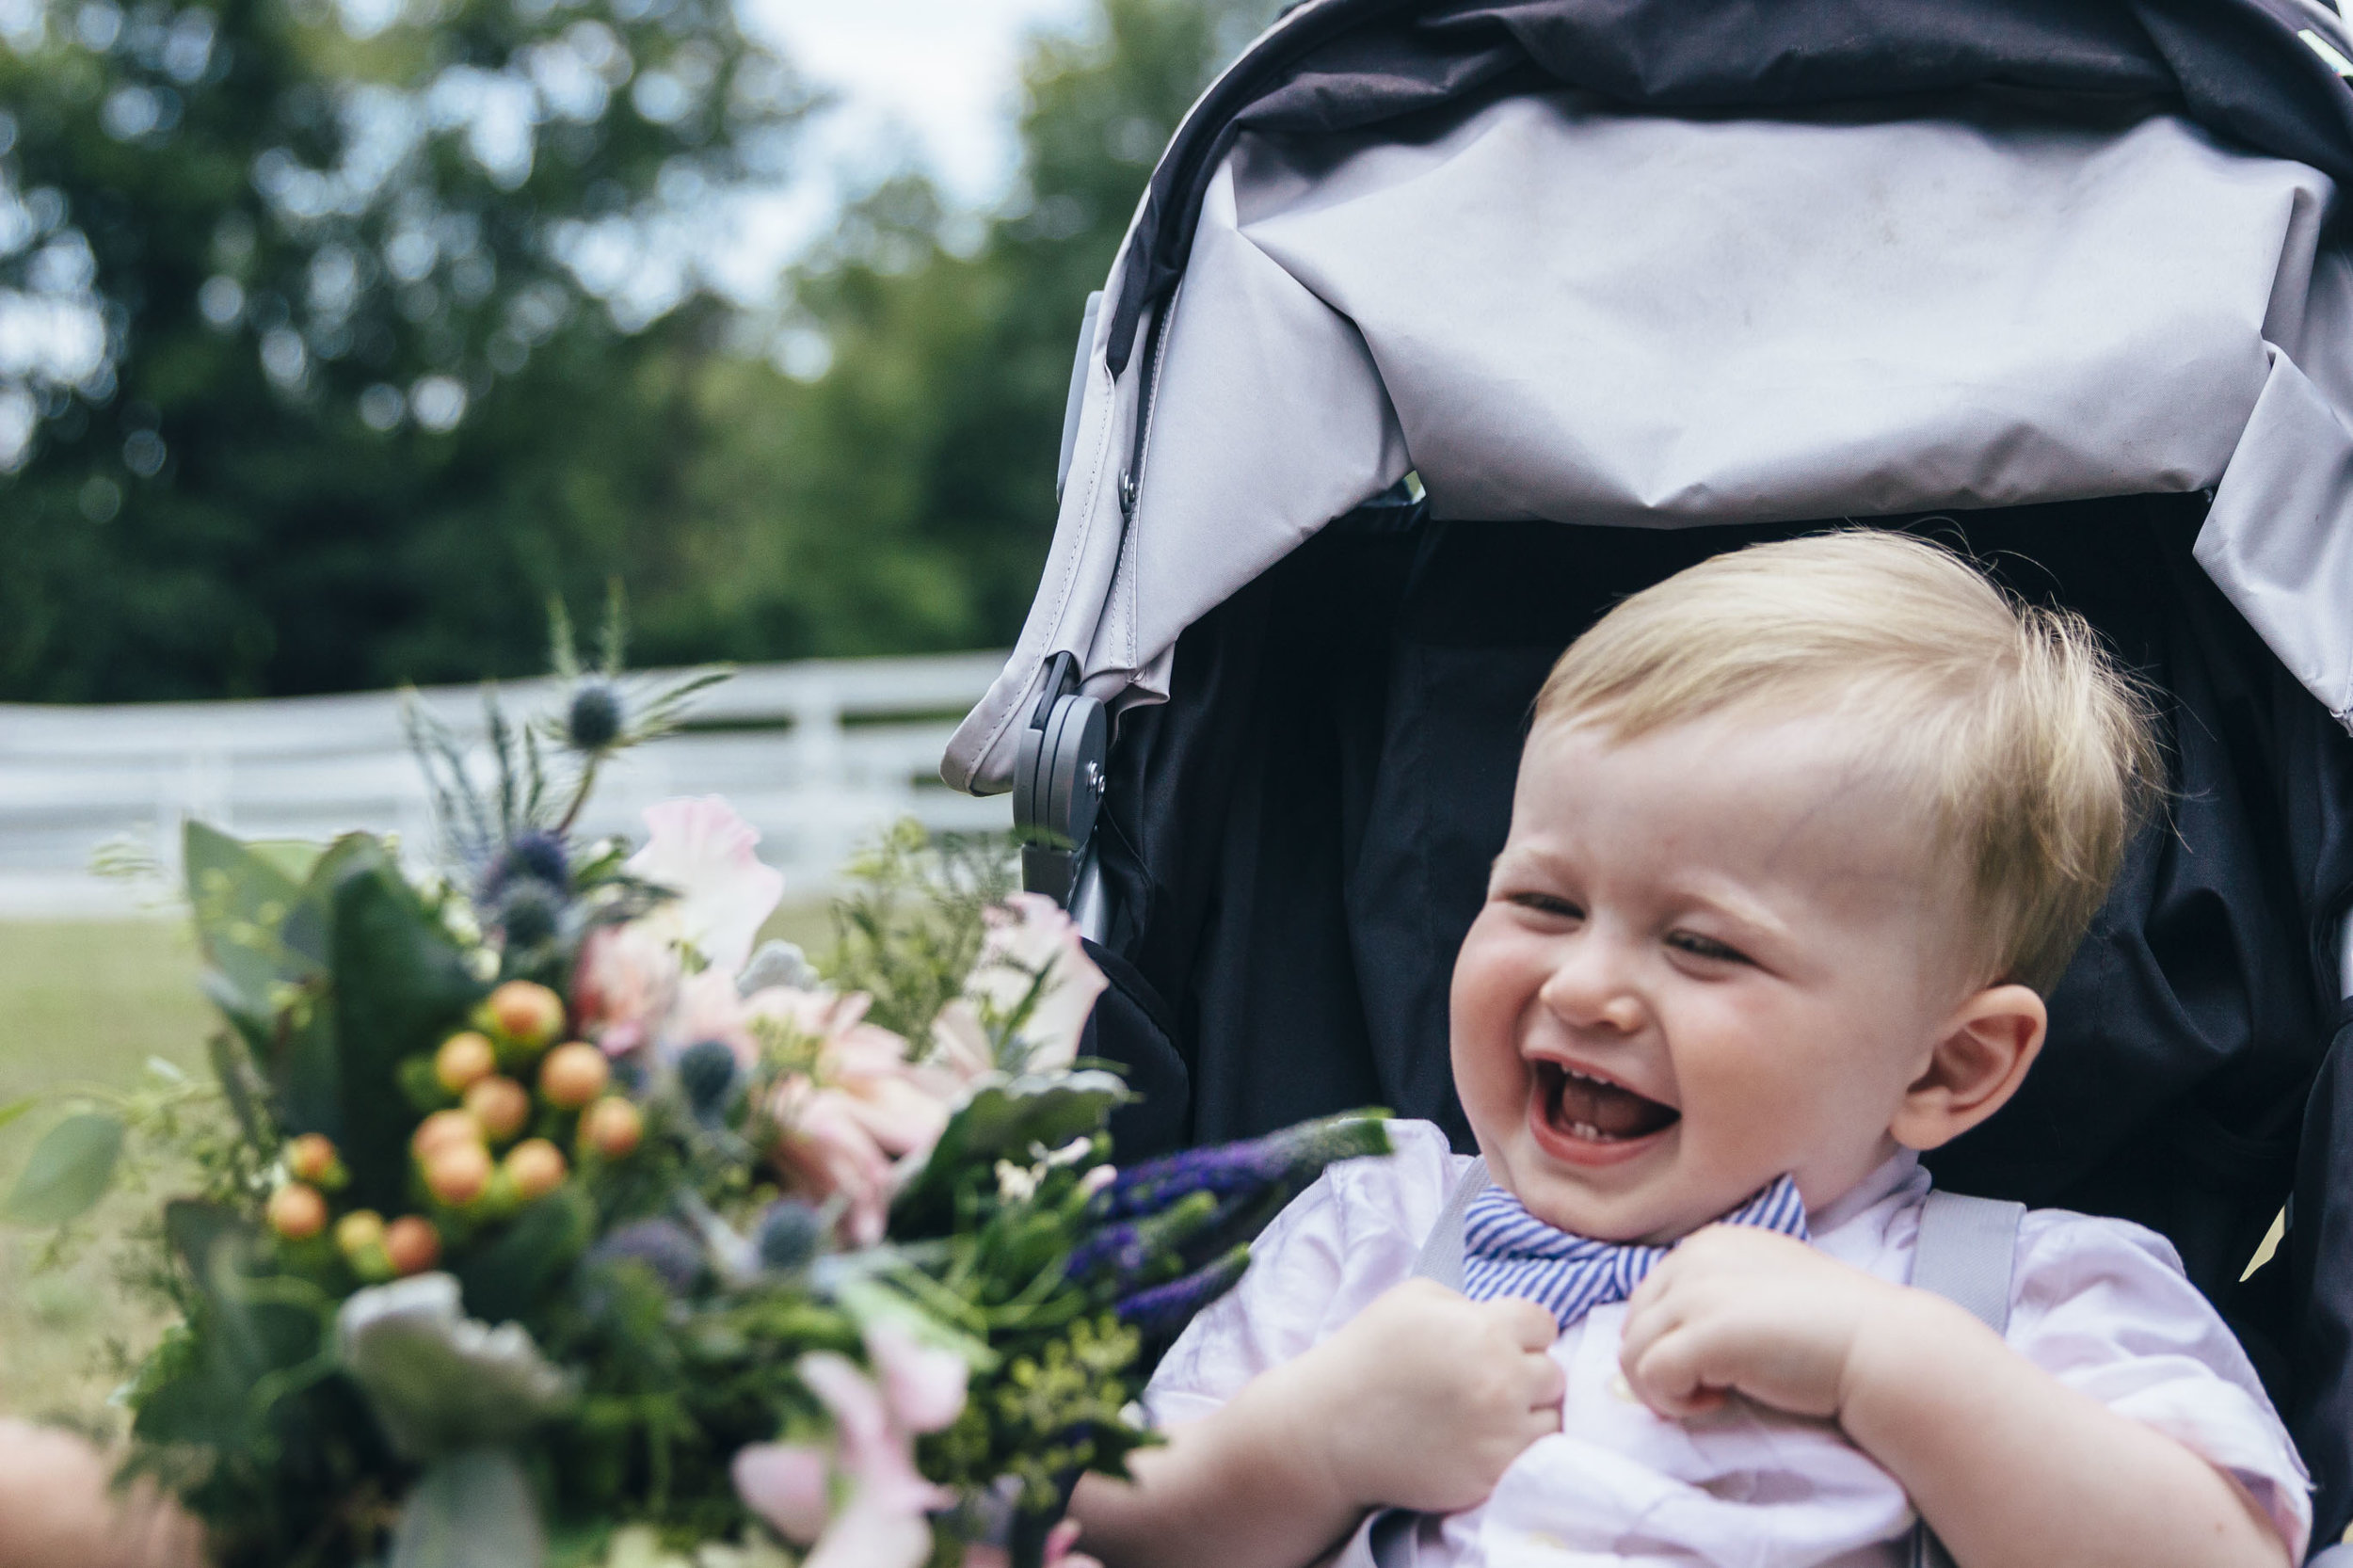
(825, 1151)
(623, 986)
(708, 1008)
(922, 1384)
(1029, 936)
(702, 851)
(860, 1103)
(785, 1483)
(960, 1042)
(880, 1522)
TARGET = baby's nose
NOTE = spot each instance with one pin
(1591, 991)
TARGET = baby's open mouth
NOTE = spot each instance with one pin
(1580, 1106)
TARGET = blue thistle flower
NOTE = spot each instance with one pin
(788, 1235)
(706, 1071)
(533, 857)
(529, 913)
(663, 1247)
(593, 719)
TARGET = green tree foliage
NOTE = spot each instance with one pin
(327, 439)
(327, 403)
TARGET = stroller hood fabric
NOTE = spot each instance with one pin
(1551, 304)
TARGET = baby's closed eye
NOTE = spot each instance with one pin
(1706, 947)
(1546, 903)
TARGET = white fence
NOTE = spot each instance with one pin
(816, 755)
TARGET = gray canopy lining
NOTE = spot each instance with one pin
(1554, 307)
(1333, 65)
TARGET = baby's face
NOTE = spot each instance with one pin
(1710, 955)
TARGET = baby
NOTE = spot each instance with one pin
(1801, 837)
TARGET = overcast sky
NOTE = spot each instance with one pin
(928, 80)
(936, 73)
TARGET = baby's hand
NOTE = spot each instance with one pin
(1425, 1398)
(1734, 1309)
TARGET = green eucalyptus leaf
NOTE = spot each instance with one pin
(401, 982)
(241, 901)
(70, 1171)
(472, 1509)
(232, 1064)
(292, 858)
(14, 1109)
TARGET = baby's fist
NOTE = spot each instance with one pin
(1436, 1396)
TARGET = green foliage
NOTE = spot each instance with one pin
(333, 982)
(907, 930)
(348, 373)
(899, 501)
(1052, 1414)
(68, 1172)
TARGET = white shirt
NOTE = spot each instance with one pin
(2101, 1305)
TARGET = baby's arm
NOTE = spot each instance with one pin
(2007, 1464)
(1420, 1401)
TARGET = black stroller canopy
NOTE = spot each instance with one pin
(1445, 326)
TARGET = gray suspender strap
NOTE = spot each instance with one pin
(1442, 1254)
(1966, 1252)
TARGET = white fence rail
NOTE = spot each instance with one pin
(816, 755)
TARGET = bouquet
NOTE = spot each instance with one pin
(539, 1217)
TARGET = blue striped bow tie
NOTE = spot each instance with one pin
(1509, 1251)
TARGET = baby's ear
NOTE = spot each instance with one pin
(1982, 1056)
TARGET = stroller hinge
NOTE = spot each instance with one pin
(1058, 781)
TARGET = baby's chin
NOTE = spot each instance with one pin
(1652, 1208)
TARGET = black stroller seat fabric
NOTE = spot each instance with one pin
(1298, 840)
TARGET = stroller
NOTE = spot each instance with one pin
(1444, 323)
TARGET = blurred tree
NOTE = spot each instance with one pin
(904, 497)
(336, 334)
(301, 367)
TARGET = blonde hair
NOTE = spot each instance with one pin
(2034, 756)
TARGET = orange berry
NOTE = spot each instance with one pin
(298, 1212)
(464, 1060)
(528, 1013)
(612, 1126)
(573, 1075)
(359, 1230)
(442, 1129)
(412, 1244)
(457, 1173)
(537, 1168)
(500, 1106)
(311, 1157)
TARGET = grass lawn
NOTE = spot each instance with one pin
(90, 1002)
(81, 1002)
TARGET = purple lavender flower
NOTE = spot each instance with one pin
(1296, 1153)
(1163, 1312)
(1130, 1247)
